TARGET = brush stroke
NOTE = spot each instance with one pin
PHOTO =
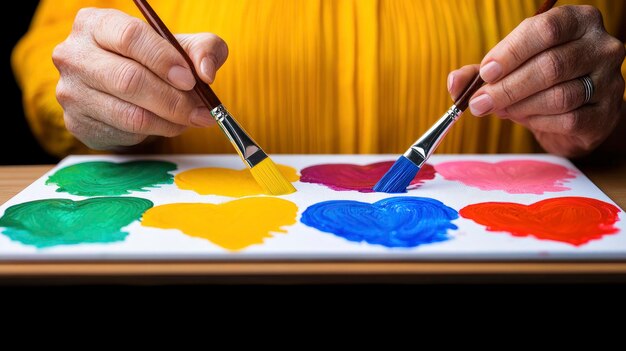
(346, 177)
(233, 225)
(101, 178)
(52, 222)
(572, 220)
(392, 222)
(226, 182)
(398, 177)
(514, 177)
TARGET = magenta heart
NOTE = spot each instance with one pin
(514, 177)
(344, 176)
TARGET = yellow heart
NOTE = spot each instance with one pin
(226, 182)
(233, 225)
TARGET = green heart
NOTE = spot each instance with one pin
(108, 179)
(52, 222)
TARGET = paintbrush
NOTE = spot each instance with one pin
(261, 166)
(399, 176)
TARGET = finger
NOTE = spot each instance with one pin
(134, 119)
(579, 131)
(572, 133)
(135, 39)
(93, 133)
(459, 79)
(559, 99)
(547, 69)
(98, 135)
(124, 116)
(580, 122)
(561, 145)
(129, 81)
(534, 35)
(207, 51)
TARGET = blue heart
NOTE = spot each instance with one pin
(393, 222)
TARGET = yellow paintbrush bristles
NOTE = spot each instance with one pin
(270, 179)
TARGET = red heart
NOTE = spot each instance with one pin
(573, 220)
(343, 176)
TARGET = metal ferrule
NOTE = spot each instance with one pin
(425, 146)
(249, 151)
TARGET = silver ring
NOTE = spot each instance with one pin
(589, 88)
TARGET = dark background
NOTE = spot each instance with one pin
(22, 148)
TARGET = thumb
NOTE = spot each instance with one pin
(207, 51)
(459, 79)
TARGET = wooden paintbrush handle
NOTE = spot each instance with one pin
(201, 88)
(471, 89)
(463, 101)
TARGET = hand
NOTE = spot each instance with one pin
(533, 79)
(121, 82)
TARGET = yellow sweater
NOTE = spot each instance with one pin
(314, 76)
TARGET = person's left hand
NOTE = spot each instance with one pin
(533, 78)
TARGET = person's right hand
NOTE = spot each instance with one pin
(121, 82)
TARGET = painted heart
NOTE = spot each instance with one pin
(233, 225)
(573, 220)
(226, 182)
(52, 222)
(102, 178)
(344, 177)
(514, 177)
(392, 222)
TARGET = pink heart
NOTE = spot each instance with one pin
(514, 177)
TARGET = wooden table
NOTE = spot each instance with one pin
(611, 179)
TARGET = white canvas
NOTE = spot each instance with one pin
(470, 242)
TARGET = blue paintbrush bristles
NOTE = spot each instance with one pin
(398, 177)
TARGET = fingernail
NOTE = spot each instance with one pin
(181, 78)
(491, 72)
(201, 117)
(208, 68)
(481, 105)
(450, 81)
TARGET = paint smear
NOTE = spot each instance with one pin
(572, 220)
(233, 225)
(226, 182)
(392, 222)
(52, 222)
(103, 178)
(345, 177)
(514, 177)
